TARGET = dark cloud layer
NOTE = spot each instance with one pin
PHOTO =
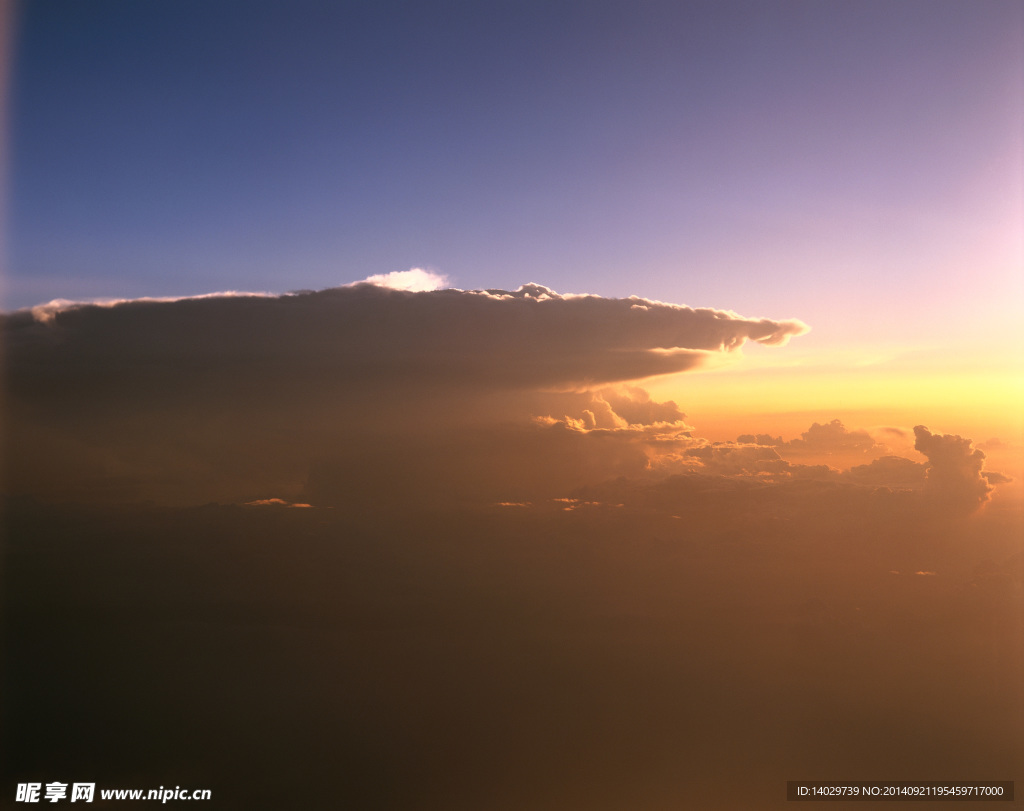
(366, 333)
(711, 639)
(240, 396)
(443, 572)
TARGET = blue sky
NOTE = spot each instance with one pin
(840, 162)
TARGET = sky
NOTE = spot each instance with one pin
(853, 165)
(509, 404)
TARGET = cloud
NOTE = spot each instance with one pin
(370, 334)
(486, 464)
(275, 502)
(612, 408)
(635, 407)
(230, 397)
(954, 476)
(831, 443)
(820, 438)
(760, 439)
(732, 460)
(45, 313)
(831, 438)
(889, 471)
(952, 482)
(992, 477)
(415, 280)
(675, 449)
(371, 397)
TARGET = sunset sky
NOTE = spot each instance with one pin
(854, 165)
(616, 353)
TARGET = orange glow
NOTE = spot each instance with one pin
(981, 402)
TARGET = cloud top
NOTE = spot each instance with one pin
(374, 331)
(954, 473)
(45, 313)
(414, 280)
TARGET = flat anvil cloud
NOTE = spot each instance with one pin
(367, 333)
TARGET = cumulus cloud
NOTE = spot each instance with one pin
(831, 443)
(820, 437)
(635, 407)
(832, 438)
(889, 471)
(415, 280)
(952, 482)
(675, 448)
(732, 460)
(760, 439)
(613, 408)
(953, 475)
(736, 461)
